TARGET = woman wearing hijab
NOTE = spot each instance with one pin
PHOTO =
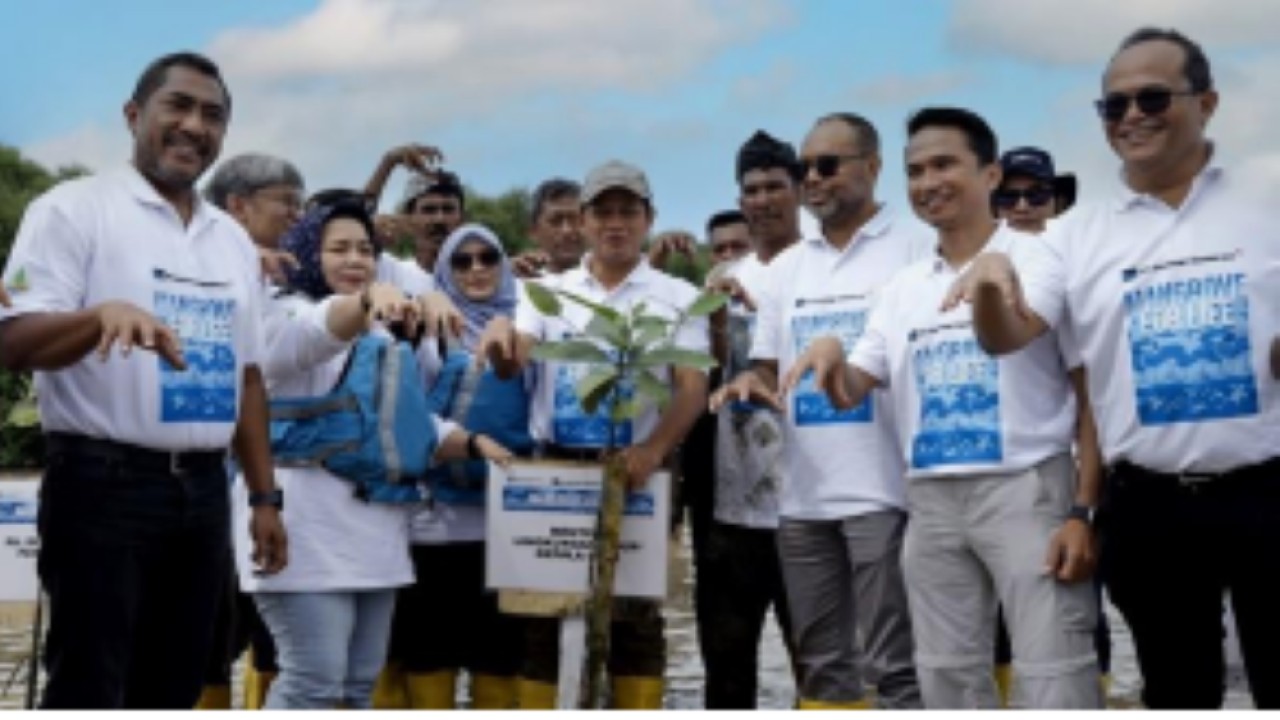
(330, 611)
(449, 621)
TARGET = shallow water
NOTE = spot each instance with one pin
(684, 666)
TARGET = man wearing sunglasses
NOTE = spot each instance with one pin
(1169, 287)
(843, 508)
(1030, 193)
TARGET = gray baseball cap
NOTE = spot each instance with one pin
(615, 174)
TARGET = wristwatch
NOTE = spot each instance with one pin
(473, 447)
(1082, 513)
(271, 498)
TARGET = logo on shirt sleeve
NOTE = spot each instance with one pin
(18, 283)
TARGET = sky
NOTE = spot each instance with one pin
(516, 91)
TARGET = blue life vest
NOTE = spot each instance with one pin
(374, 428)
(484, 403)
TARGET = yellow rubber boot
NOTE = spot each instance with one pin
(256, 685)
(534, 695)
(1003, 675)
(214, 697)
(493, 692)
(391, 689)
(432, 691)
(637, 693)
(1106, 685)
(863, 704)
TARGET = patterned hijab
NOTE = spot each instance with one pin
(476, 314)
(305, 240)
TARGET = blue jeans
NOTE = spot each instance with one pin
(331, 646)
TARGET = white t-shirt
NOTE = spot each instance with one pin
(336, 541)
(958, 410)
(113, 237)
(750, 462)
(404, 273)
(838, 464)
(1174, 313)
(556, 415)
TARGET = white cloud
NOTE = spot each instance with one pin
(333, 89)
(899, 91)
(1088, 31)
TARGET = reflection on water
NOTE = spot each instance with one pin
(684, 666)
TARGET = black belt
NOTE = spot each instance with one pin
(133, 456)
(1268, 469)
(560, 452)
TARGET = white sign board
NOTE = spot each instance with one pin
(541, 522)
(19, 543)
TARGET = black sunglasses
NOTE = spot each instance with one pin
(826, 165)
(1150, 101)
(463, 262)
(1035, 197)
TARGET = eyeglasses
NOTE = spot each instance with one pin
(1150, 101)
(462, 262)
(1035, 197)
(826, 165)
(732, 246)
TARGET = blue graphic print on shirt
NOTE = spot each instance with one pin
(1189, 346)
(811, 406)
(571, 425)
(206, 390)
(959, 389)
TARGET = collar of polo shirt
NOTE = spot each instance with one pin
(877, 226)
(145, 193)
(1127, 198)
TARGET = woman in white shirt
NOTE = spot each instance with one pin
(330, 611)
(449, 621)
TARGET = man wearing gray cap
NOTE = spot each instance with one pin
(617, 215)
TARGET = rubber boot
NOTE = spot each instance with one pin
(433, 690)
(391, 689)
(863, 704)
(256, 685)
(637, 693)
(1106, 685)
(214, 697)
(493, 692)
(534, 695)
(1003, 675)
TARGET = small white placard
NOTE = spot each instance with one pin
(19, 543)
(541, 525)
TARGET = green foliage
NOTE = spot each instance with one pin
(637, 343)
(507, 215)
(21, 181)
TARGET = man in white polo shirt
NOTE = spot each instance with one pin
(139, 310)
(995, 511)
(1169, 287)
(617, 214)
(843, 509)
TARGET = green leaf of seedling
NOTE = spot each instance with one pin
(707, 303)
(543, 299)
(652, 389)
(626, 410)
(611, 330)
(593, 388)
(650, 330)
(679, 357)
(578, 351)
(596, 308)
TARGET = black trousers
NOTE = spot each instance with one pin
(739, 577)
(134, 558)
(239, 626)
(1172, 550)
(449, 620)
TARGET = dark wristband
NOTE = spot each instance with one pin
(270, 498)
(473, 447)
